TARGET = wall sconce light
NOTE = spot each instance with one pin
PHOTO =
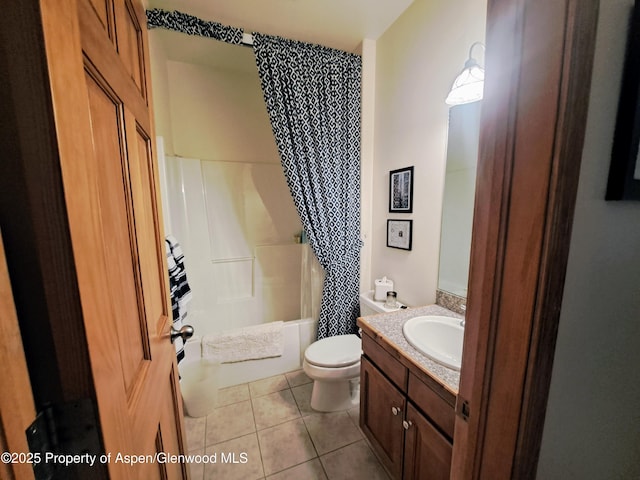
(469, 84)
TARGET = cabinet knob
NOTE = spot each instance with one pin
(407, 424)
(395, 410)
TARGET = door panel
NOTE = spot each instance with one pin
(111, 164)
(105, 58)
(104, 11)
(427, 453)
(130, 46)
(114, 183)
(383, 428)
(147, 224)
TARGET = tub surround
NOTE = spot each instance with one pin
(235, 222)
(386, 329)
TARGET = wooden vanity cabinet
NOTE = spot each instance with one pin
(397, 414)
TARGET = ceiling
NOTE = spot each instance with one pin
(338, 24)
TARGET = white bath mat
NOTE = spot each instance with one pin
(247, 343)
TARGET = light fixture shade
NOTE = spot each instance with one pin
(468, 86)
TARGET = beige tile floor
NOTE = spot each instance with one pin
(267, 430)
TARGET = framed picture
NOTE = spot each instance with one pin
(399, 234)
(401, 190)
(624, 172)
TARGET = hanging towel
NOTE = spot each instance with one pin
(178, 288)
(247, 343)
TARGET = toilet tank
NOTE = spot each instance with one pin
(368, 306)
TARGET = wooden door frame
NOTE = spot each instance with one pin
(16, 399)
(538, 63)
(33, 215)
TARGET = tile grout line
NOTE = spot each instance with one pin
(292, 420)
(255, 423)
(314, 445)
(255, 426)
(204, 443)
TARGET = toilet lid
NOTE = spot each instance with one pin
(338, 351)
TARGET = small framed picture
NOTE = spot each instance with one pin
(399, 234)
(401, 190)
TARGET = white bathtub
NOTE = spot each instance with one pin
(298, 335)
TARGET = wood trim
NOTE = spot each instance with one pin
(17, 410)
(539, 59)
(33, 214)
(580, 35)
(393, 369)
(488, 237)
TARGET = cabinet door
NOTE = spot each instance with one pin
(381, 412)
(427, 453)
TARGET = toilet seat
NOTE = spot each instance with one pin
(334, 352)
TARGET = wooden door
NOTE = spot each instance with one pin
(98, 67)
(427, 453)
(378, 419)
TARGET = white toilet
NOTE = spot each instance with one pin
(333, 364)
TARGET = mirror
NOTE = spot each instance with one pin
(459, 193)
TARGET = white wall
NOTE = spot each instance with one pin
(417, 59)
(160, 92)
(592, 426)
(367, 158)
(219, 114)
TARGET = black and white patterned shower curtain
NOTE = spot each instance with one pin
(313, 99)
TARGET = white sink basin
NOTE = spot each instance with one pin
(439, 338)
